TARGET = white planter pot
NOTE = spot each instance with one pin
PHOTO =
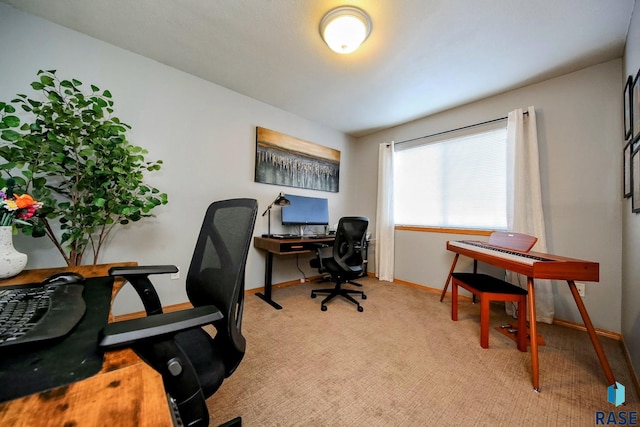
(12, 262)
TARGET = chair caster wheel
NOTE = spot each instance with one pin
(313, 295)
(364, 296)
(360, 309)
(323, 308)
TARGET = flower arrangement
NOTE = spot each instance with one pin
(16, 209)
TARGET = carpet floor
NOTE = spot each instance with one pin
(404, 362)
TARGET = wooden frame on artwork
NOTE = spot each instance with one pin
(628, 108)
(635, 179)
(284, 160)
(635, 106)
(626, 169)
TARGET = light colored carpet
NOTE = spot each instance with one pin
(404, 362)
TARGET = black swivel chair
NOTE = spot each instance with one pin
(346, 262)
(194, 364)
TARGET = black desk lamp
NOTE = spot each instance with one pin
(279, 201)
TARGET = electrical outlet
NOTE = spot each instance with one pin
(176, 275)
(302, 280)
(581, 288)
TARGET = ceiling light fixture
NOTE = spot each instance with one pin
(345, 28)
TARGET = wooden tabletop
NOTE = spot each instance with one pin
(125, 392)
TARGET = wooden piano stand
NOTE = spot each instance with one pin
(537, 265)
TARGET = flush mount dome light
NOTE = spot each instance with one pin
(345, 28)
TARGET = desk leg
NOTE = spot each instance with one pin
(446, 285)
(268, 269)
(533, 334)
(592, 333)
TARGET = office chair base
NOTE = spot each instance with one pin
(338, 291)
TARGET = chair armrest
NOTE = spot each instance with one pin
(319, 247)
(144, 270)
(133, 331)
(138, 276)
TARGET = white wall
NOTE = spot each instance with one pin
(631, 222)
(579, 131)
(204, 133)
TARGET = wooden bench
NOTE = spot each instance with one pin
(488, 289)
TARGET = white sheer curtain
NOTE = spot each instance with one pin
(524, 200)
(384, 247)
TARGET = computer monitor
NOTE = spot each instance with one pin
(305, 211)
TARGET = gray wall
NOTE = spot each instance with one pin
(579, 132)
(204, 133)
(631, 223)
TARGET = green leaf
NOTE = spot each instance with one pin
(46, 80)
(11, 121)
(54, 97)
(10, 135)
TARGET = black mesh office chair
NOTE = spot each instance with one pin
(194, 364)
(346, 262)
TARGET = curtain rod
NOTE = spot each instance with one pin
(457, 129)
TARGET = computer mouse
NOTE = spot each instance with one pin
(65, 278)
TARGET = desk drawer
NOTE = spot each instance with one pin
(293, 247)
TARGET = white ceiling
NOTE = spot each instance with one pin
(422, 57)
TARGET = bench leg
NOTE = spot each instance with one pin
(522, 324)
(446, 284)
(484, 320)
(454, 301)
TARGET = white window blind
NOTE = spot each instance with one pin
(457, 182)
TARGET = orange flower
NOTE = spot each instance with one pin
(24, 201)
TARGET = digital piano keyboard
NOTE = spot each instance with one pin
(532, 264)
(537, 265)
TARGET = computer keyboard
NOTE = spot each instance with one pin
(30, 313)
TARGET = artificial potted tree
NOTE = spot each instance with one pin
(68, 151)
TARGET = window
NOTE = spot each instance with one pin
(457, 182)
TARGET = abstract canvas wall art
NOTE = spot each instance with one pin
(284, 160)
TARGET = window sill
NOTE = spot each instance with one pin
(424, 229)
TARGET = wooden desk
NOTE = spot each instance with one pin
(126, 391)
(283, 247)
